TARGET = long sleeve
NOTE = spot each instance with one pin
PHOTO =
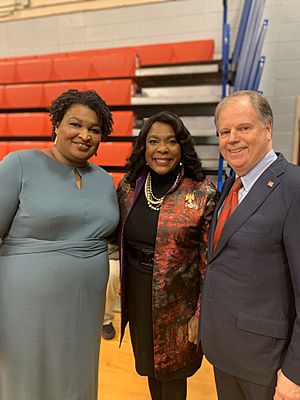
(291, 362)
(210, 206)
(10, 186)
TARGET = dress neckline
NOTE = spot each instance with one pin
(66, 166)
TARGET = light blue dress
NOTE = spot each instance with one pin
(53, 275)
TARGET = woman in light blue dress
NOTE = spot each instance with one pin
(57, 209)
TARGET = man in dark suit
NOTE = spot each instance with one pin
(250, 311)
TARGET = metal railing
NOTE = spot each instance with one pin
(243, 71)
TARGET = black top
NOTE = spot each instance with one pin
(141, 224)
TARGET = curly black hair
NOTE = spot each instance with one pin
(189, 158)
(88, 98)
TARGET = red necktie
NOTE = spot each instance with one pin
(229, 206)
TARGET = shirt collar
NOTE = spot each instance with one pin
(251, 177)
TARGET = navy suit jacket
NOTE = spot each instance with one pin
(250, 310)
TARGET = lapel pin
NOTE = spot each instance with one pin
(270, 184)
(190, 201)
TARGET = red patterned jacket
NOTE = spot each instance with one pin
(179, 266)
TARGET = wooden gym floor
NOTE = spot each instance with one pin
(119, 381)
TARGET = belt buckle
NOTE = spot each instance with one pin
(147, 257)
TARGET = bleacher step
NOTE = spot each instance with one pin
(206, 73)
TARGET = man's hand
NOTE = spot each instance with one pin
(193, 329)
(286, 389)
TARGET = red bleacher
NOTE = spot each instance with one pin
(3, 129)
(31, 83)
(38, 124)
(101, 63)
(113, 154)
(172, 53)
(40, 95)
(117, 176)
(33, 70)
(8, 146)
(7, 71)
(22, 96)
(123, 123)
(27, 124)
(55, 69)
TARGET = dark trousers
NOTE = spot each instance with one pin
(167, 390)
(230, 387)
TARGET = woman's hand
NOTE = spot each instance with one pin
(193, 329)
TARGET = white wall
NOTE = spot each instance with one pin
(178, 20)
(281, 79)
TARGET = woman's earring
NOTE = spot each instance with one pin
(55, 141)
(180, 163)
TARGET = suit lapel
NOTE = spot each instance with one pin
(260, 191)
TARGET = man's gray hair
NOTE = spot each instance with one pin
(259, 102)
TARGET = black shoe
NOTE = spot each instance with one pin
(109, 331)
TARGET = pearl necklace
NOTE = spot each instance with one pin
(155, 202)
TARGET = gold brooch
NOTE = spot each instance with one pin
(190, 201)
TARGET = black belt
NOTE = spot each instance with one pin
(144, 256)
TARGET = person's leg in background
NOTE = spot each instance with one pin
(112, 291)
